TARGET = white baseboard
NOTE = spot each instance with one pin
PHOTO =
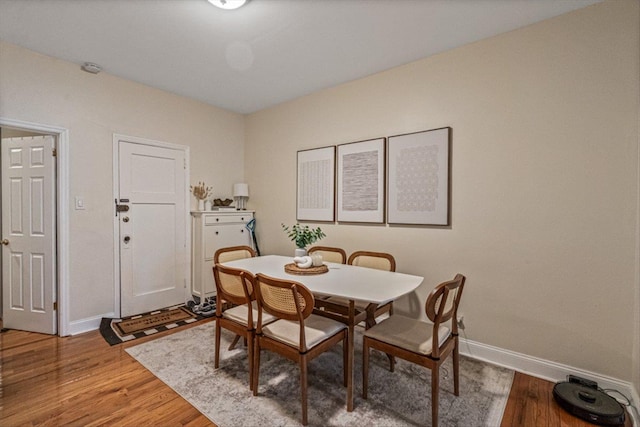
(85, 325)
(542, 368)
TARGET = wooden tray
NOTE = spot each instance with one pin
(294, 269)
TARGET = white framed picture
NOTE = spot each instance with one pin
(418, 181)
(315, 199)
(361, 175)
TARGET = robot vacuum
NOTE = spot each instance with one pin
(589, 403)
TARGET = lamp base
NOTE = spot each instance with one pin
(240, 203)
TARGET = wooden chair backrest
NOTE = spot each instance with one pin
(235, 286)
(377, 260)
(442, 305)
(284, 299)
(330, 254)
(232, 253)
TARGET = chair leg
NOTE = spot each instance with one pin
(217, 356)
(303, 387)
(234, 342)
(365, 367)
(456, 369)
(435, 394)
(392, 362)
(256, 365)
(345, 359)
(250, 357)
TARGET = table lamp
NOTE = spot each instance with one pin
(241, 194)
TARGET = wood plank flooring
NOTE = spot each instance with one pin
(82, 381)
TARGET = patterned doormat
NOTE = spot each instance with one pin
(116, 331)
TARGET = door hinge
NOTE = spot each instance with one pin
(55, 306)
(54, 152)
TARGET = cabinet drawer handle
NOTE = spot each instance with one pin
(242, 231)
(217, 219)
(216, 233)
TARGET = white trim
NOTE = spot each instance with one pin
(116, 224)
(62, 213)
(541, 368)
(89, 324)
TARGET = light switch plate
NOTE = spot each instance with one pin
(79, 203)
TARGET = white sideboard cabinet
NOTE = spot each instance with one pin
(210, 232)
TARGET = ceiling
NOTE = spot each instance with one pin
(264, 53)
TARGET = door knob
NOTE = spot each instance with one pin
(126, 239)
(125, 219)
(5, 242)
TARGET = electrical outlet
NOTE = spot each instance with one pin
(461, 321)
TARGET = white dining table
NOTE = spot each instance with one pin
(347, 281)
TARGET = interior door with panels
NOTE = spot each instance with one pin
(29, 234)
(152, 223)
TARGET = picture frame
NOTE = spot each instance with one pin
(418, 184)
(315, 184)
(360, 181)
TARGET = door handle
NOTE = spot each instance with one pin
(5, 242)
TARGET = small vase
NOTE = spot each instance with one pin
(301, 252)
(200, 205)
(317, 259)
(207, 205)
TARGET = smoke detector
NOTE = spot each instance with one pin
(92, 68)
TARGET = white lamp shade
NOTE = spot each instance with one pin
(240, 190)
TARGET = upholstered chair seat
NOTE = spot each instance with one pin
(411, 334)
(316, 330)
(240, 314)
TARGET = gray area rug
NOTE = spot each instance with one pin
(184, 361)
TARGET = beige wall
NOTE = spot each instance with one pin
(544, 180)
(40, 89)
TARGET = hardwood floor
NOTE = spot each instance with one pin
(531, 403)
(82, 381)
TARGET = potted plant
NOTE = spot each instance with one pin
(303, 236)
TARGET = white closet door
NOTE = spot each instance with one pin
(28, 234)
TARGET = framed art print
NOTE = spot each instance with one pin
(361, 174)
(315, 199)
(418, 181)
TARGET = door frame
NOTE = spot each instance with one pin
(61, 210)
(116, 222)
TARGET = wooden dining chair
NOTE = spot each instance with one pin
(237, 287)
(330, 254)
(297, 334)
(364, 310)
(233, 253)
(420, 342)
(380, 261)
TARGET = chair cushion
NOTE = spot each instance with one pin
(410, 334)
(240, 313)
(316, 330)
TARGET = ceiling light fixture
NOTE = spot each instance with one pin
(227, 4)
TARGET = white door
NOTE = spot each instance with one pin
(153, 241)
(28, 234)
